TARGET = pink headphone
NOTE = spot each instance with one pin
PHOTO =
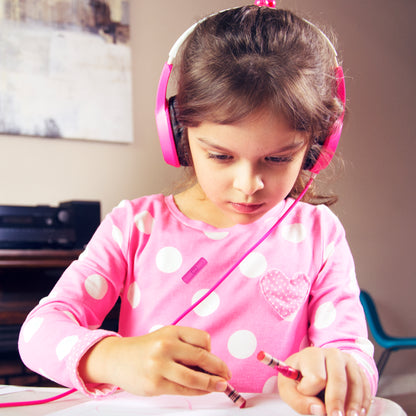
(167, 126)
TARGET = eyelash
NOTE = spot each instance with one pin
(219, 157)
(273, 159)
(280, 159)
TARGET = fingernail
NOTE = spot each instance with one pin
(352, 413)
(317, 410)
(363, 411)
(221, 386)
(336, 413)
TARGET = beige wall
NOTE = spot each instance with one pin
(376, 42)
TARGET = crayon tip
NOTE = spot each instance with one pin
(243, 403)
(261, 355)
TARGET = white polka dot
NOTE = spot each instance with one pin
(55, 294)
(31, 327)
(294, 233)
(360, 360)
(122, 204)
(207, 306)
(168, 259)
(270, 386)
(325, 315)
(43, 373)
(117, 235)
(133, 295)
(65, 346)
(353, 284)
(242, 344)
(144, 222)
(96, 286)
(365, 345)
(216, 235)
(71, 316)
(254, 265)
(50, 297)
(83, 254)
(328, 250)
(155, 328)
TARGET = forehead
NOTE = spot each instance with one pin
(260, 132)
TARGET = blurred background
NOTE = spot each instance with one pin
(375, 188)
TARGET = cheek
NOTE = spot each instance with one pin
(211, 179)
(205, 175)
(282, 182)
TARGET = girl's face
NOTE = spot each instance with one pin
(244, 169)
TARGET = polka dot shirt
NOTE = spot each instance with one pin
(296, 289)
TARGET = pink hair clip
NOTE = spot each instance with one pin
(267, 3)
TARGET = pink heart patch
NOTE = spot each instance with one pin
(284, 294)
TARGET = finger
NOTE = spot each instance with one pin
(188, 346)
(207, 362)
(355, 394)
(194, 336)
(171, 377)
(359, 392)
(314, 372)
(367, 399)
(337, 382)
(192, 379)
(301, 403)
(155, 387)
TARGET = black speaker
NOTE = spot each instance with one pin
(67, 226)
(83, 217)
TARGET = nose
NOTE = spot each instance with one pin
(247, 180)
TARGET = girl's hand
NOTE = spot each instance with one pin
(157, 363)
(347, 390)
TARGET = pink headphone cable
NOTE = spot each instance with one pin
(232, 268)
(42, 401)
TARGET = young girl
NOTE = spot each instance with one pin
(259, 93)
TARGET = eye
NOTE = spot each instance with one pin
(280, 159)
(219, 157)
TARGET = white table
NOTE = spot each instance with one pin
(124, 404)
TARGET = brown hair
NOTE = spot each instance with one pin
(241, 60)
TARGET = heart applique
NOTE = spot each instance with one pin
(286, 295)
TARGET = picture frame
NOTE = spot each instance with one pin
(65, 69)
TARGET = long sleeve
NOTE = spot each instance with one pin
(58, 332)
(337, 318)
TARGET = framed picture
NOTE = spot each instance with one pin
(65, 69)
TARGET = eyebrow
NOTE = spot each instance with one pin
(290, 147)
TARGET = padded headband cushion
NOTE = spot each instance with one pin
(177, 131)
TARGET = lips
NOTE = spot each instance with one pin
(246, 208)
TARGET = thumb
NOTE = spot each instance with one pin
(293, 393)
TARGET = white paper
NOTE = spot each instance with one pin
(125, 404)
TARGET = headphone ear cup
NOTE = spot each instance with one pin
(164, 129)
(177, 131)
(324, 155)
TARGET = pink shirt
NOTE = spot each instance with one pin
(298, 288)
